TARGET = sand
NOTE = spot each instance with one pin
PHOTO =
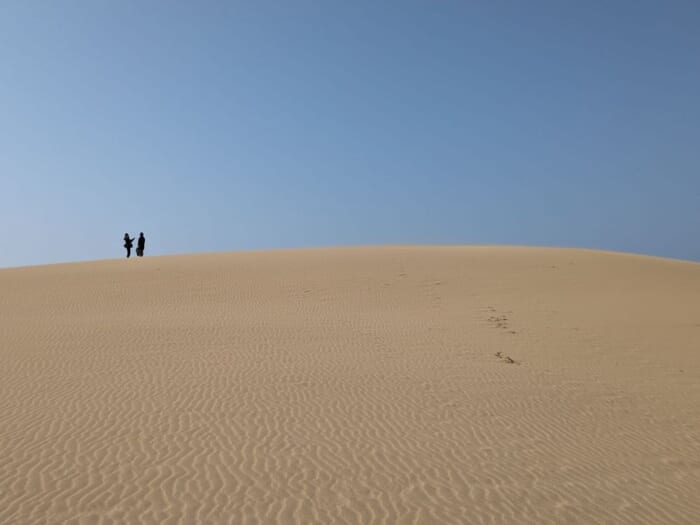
(352, 385)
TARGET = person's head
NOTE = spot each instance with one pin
(141, 234)
(126, 235)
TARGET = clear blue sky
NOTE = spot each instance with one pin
(239, 125)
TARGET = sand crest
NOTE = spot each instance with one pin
(354, 385)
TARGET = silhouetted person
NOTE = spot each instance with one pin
(140, 245)
(128, 243)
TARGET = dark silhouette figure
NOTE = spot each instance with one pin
(140, 245)
(128, 243)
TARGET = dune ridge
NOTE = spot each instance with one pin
(399, 384)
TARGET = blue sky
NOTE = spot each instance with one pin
(217, 126)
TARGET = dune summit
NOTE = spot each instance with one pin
(353, 385)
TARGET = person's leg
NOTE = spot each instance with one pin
(128, 253)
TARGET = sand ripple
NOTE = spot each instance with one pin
(363, 385)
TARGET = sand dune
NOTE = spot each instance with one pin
(360, 385)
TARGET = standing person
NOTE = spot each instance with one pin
(140, 245)
(128, 243)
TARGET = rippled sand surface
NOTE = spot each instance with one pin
(352, 385)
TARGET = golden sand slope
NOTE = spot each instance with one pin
(355, 385)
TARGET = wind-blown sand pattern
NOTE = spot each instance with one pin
(359, 385)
